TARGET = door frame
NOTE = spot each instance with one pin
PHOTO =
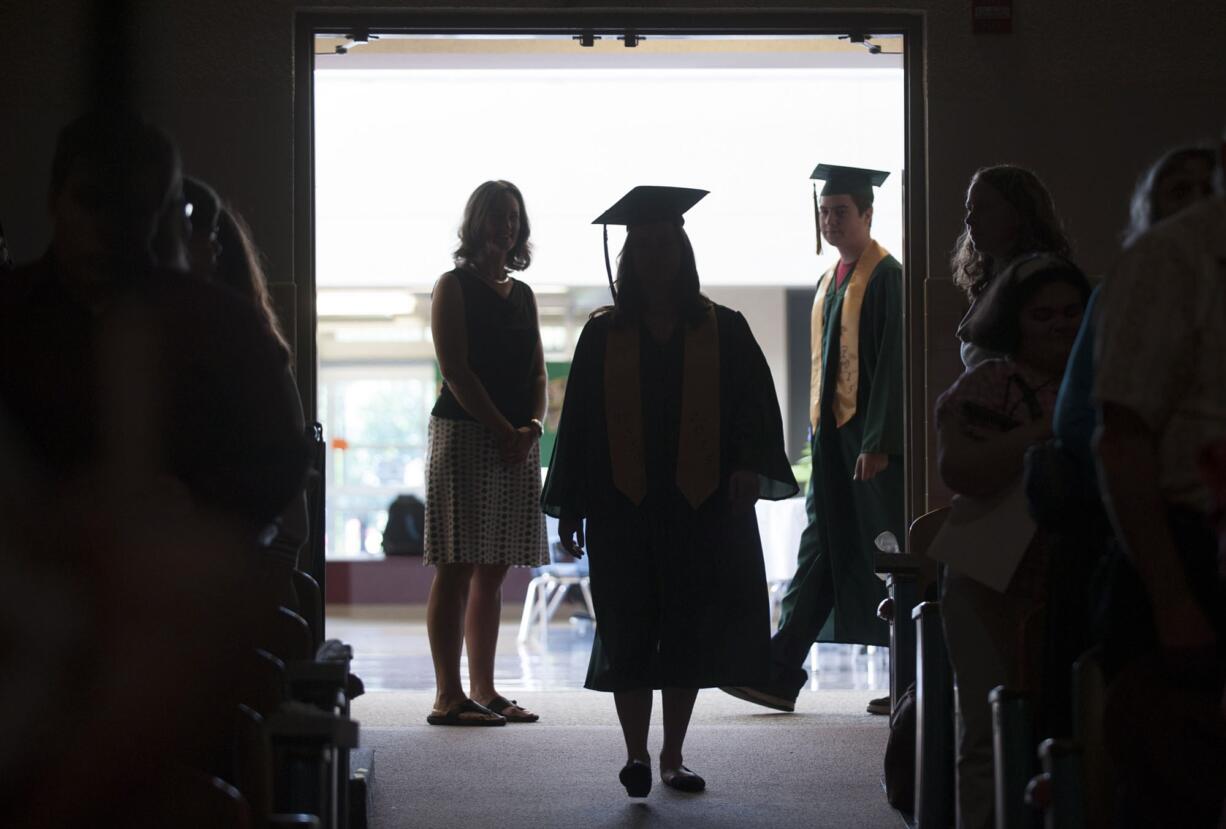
(647, 22)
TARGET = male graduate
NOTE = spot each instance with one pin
(856, 417)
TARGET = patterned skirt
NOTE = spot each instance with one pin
(478, 509)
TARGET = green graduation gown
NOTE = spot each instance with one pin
(679, 593)
(837, 550)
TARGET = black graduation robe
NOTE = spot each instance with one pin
(679, 593)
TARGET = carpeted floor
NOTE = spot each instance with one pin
(820, 767)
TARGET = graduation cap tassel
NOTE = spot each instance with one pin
(607, 266)
(817, 221)
(841, 180)
(644, 205)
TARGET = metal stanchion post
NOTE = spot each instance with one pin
(934, 737)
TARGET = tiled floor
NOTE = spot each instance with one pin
(391, 653)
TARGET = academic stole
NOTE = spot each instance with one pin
(698, 444)
(848, 382)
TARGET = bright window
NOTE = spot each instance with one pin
(374, 420)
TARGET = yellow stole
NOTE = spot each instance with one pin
(849, 337)
(698, 445)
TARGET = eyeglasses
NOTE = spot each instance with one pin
(188, 210)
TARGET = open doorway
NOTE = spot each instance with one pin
(405, 120)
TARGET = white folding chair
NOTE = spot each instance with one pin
(549, 585)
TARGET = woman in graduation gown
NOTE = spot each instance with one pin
(670, 431)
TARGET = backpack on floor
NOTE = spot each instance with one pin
(406, 521)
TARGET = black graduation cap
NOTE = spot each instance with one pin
(840, 181)
(847, 180)
(646, 204)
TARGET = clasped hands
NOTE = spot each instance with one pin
(515, 443)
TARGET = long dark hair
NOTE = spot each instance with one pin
(1142, 210)
(1041, 230)
(241, 269)
(632, 297)
(472, 227)
(995, 322)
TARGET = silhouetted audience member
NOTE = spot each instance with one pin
(670, 432)
(221, 249)
(222, 252)
(232, 427)
(1178, 179)
(155, 437)
(1159, 382)
(483, 478)
(1062, 482)
(1008, 213)
(149, 550)
(116, 204)
(115, 201)
(985, 422)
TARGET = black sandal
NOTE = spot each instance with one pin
(502, 706)
(454, 716)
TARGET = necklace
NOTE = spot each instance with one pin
(506, 277)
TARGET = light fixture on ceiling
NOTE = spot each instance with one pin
(863, 40)
(360, 37)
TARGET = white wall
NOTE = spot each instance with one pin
(764, 310)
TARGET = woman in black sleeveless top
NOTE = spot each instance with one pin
(483, 480)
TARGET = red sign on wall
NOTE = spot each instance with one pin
(991, 16)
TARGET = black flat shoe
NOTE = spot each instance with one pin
(636, 777)
(682, 779)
